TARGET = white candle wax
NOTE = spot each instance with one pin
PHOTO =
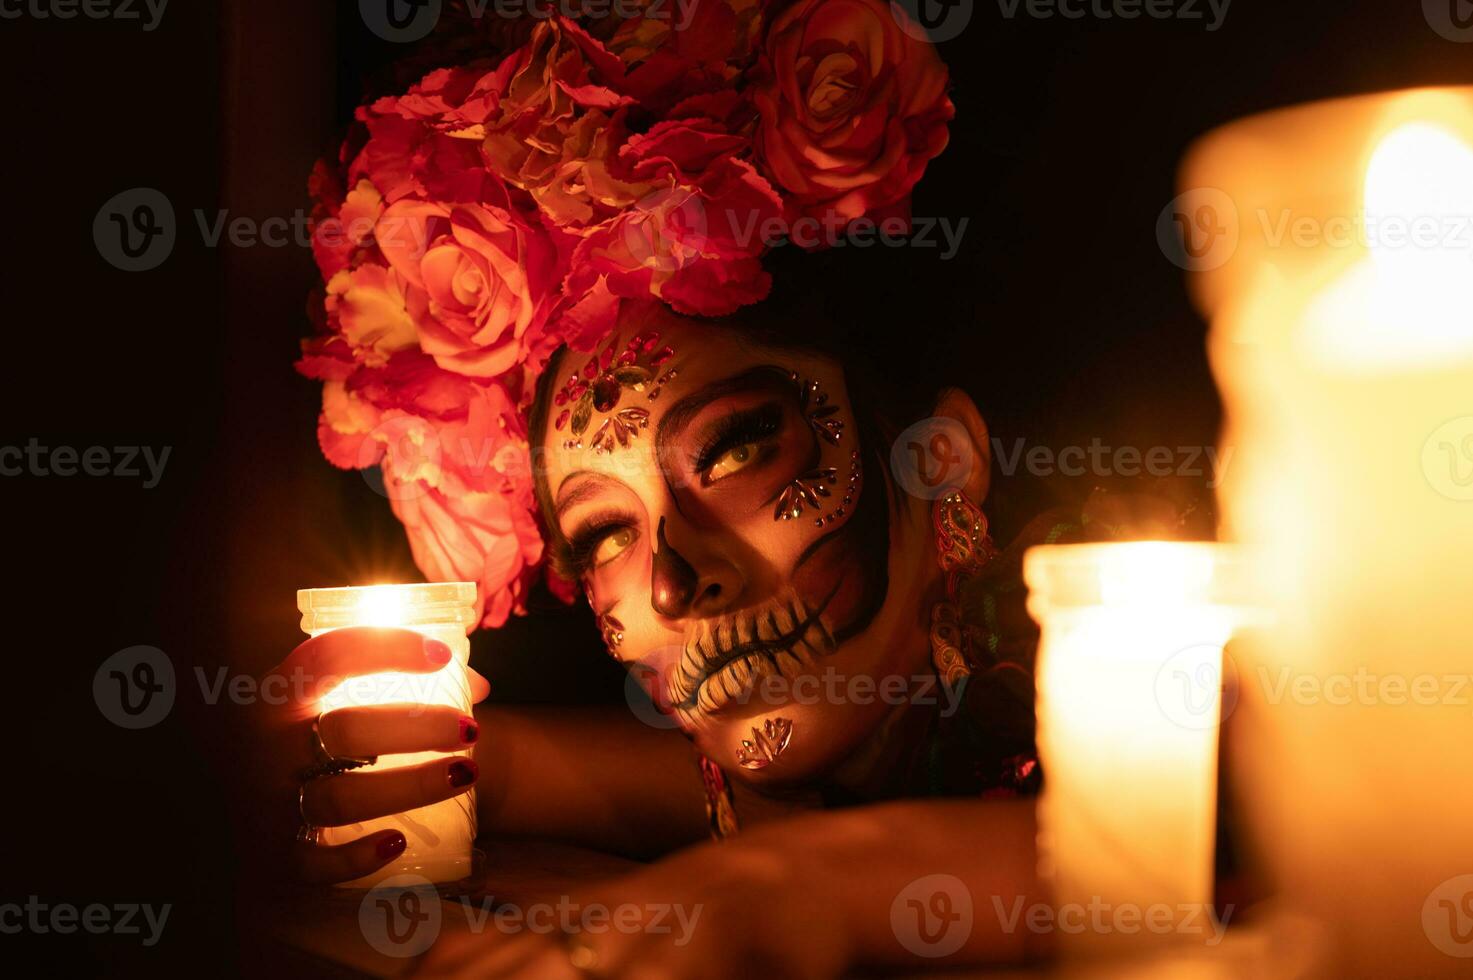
(1348, 379)
(1129, 677)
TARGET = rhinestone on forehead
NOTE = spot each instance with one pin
(600, 386)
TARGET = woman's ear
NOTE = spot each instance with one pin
(957, 405)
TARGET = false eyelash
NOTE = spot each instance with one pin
(735, 430)
(583, 542)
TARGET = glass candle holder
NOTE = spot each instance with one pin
(1346, 366)
(438, 836)
(1129, 694)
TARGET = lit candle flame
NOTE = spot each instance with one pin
(1411, 302)
(381, 605)
(1418, 206)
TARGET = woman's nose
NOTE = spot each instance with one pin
(680, 589)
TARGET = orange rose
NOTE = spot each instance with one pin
(487, 276)
(852, 107)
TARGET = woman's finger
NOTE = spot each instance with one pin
(480, 687)
(320, 664)
(389, 729)
(328, 864)
(333, 801)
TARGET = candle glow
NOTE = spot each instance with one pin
(439, 836)
(1129, 680)
(1348, 383)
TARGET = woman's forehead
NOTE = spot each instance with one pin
(645, 379)
(609, 405)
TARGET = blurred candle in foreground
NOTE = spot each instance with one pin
(439, 836)
(1129, 685)
(1346, 364)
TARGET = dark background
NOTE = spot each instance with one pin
(1060, 315)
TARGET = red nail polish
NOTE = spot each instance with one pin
(391, 846)
(469, 730)
(437, 653)
(462, 773)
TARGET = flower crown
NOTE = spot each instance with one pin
(496, 212)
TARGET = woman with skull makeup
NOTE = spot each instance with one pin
(774, 515)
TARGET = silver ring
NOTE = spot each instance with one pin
(328, 764)
(306, 833)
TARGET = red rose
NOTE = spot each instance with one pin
(695, 242)
(487, 276)
(487, 538)
(852, 107)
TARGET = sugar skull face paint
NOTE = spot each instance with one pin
(734, 548)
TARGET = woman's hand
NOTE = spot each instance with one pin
(809, 896)
(288, 745)
(711, 911)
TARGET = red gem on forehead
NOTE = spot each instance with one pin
(596, 380)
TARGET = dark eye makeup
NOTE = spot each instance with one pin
(758, 424)
(735, 430)
(583, 543)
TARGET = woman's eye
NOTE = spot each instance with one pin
(613, 545)
(733, 460)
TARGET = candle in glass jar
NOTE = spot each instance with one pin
(1129, 695)
(1346, 365)
(438, 836)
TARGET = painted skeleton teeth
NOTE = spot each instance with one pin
(740, 679)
